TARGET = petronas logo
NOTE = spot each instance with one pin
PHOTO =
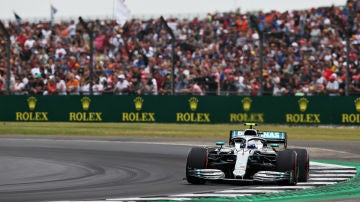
(246, 103)
(193, 102)
(357, 104)
(303, 103)
(32, 102)
(85, 101)
(138, 101)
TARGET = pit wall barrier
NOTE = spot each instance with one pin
(182, 109)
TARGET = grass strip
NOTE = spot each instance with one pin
(213, 131)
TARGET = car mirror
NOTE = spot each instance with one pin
(274, 145)
(220, 143)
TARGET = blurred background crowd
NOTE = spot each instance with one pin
(304, 54)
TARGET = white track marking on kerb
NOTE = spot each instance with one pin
(321, 174)
(329, 179)
(332, 175)
(208, 195)
(249, 191)
(145, 199)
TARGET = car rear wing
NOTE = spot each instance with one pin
(274, 137)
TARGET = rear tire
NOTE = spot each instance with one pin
(286, 161)
(197, 159)
(303, 164)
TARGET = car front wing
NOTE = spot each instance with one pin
(261, 176)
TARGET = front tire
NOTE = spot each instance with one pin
(286, 161)
(303, 164)
(197, 159)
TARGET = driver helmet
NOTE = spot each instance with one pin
(251, 146)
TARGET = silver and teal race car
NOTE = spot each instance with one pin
(251, 156)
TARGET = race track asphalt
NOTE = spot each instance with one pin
(55, 168)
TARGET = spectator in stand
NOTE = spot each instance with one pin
(72, 85)
(2, 90)
(181, 82)
(193, 89)
(229, 86)
(332, 87)
(268, 86)
(255, 87)
(165, 86)
(50, 88)
(298, 91)
(60, 85)
(84, 86)
(316, 86)
(305, 74)
(355, 85)
(60, 51)
(19, 87)
(25, 53)
(37, 87)
(30, 41)
(279, 90)
(108, 87)
(239, 82)
(146, 86)
(98, 86)
(121, 87)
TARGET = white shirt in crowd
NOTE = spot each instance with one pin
(279, 90)
(60, 52)
(19, 88)
(333, 86)
(29, 42)
(61, 87)
(85, 89)
(155, 87)
(98, 89)
(120, 85)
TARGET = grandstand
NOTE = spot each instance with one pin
(304, 53)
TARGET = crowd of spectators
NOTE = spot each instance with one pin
(304, 54)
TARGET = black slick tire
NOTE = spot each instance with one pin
(303, 164)
(286, 161)
(197, 159)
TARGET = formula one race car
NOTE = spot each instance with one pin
(251, 156)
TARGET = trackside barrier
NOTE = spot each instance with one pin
(183, 109)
